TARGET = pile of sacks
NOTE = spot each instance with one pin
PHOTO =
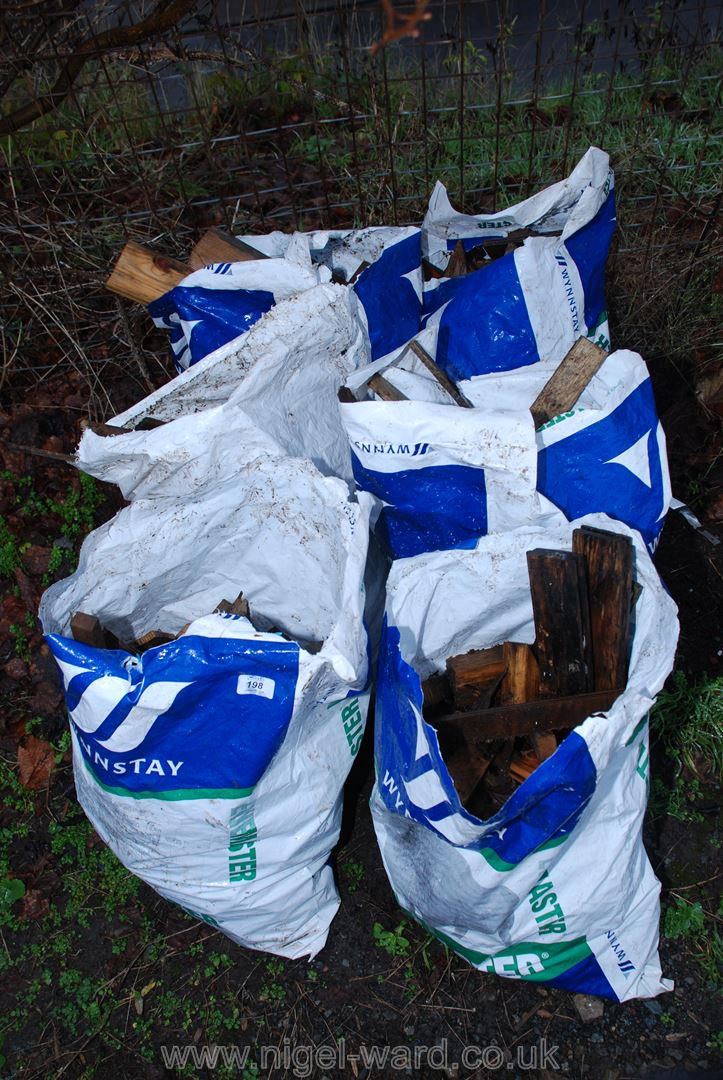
(213, 764)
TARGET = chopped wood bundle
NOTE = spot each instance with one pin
(88, 630)
(466, 261)
(499, 712)
(143, 275)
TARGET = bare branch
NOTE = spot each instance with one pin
(166, 15)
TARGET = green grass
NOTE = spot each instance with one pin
(688, 721)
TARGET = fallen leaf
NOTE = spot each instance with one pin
(36, 759)
(35, 905)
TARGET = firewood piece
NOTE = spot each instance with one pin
(436, 690)
(609, 559)
(385, 390)
(442, 378)
(346, 396)
(239, 606)
(522, 674)
(142, 275)
(457, 265)
(568, 381)
(87, 630)
(467, 767)
(216, 246)
(430, 271)
(474, 676)
(151, 640)
(508, 721)
(562, 621)
(544, 744)
(523, 765)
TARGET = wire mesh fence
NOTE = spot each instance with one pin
(154, 122)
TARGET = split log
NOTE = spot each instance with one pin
(609, 558)
(466, 767)
(384, 389)
(510, 721)
(142, 275)
(239, 606)
(430, 271)
(88, 630)
(562, 621)
(523, 765)
(436, 690)
(346, 396)
(442, 378)
(566, 384)
(544, 744)
(457, 265)
(474, 677)
(522, 674)
(216, 246)
(151, 640)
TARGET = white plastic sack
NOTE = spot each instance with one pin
(448, 475)
(556, 887)
(284, 373)
(213, 766)
(533, 303)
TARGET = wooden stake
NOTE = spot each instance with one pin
(609, 559)
(562, 621)
(442, 378)
(142, 275)
(567, 383)
(385, 390)
(216, 246)
(509, 721)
